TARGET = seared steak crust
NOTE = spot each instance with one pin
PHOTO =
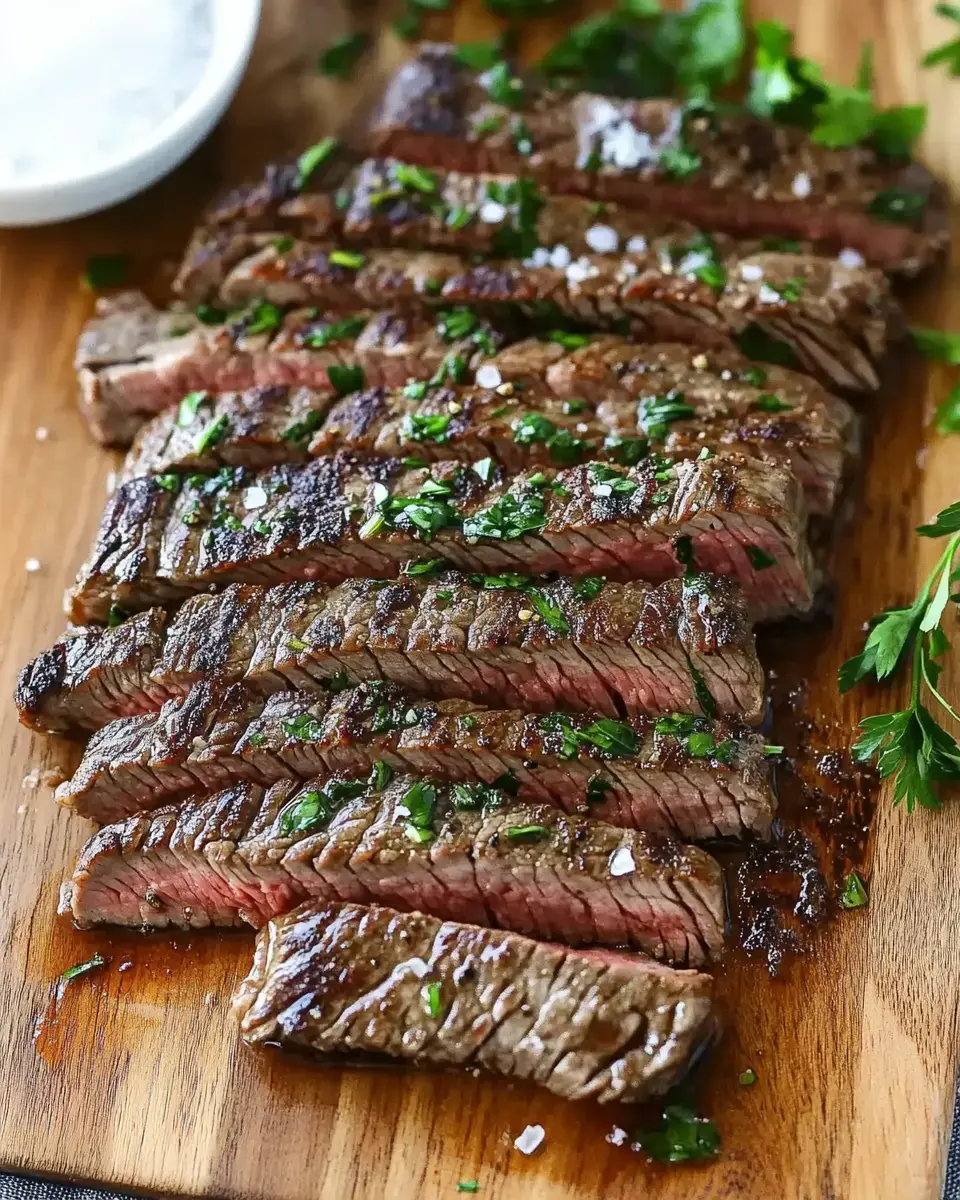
(248, 854)
(339, 517)
(606, 389)
(837, 320)
(214, 737)
(631, 647)
(755, 177)
(338, 978)
(92, 676)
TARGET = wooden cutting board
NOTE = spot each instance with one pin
(135, 1077)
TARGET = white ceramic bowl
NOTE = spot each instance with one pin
(234, 29)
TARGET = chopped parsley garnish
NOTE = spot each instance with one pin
(302, 430)
(760, 559)
(458, 217)
(420, 800)
(471, 796)
(947, 54)
(92, 964)
(550, 612)
(569, 341)
(679, 161)
(562, 445)
(511, 516)
(282, 245)
(345, 380)
(189, 407)
(215, 432)
(207, 314)
(336, 331)
(338, 60)
(423, 514)
(526, 833)
(479, 56)
(897, 206)
(518, 238)
(747, 1078)
(416, 179)
(263, 318)
(456, 323)
(772, 751)
(656, 413)
(702, 693)
(380, 775)
(346, 258)
(116, 616)
(503, 86)
(488, 125)
(427, 427)
(854, 894)
(597, 788)
(430, 994)
(430, 566)
(468, 1185)
(297, 645)
(522, 139)
(313, 158)
(105, 271)
(589, 588)
(311, 811)
(792, 289)
(681, 1136)
(615, 738)
(947, 417)
(305, 727)
(770, 403)
(627, 451)
(683, 548)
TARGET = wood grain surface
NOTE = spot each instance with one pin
(135, 1076)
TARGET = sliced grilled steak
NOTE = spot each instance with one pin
(382, 202)
(339, 978)
(603, 400)
(93, 676)
(339, 517)
(629, 647)
(754, 176)
(836, 320)
(134, 360)
(680, 774)
(461, 852)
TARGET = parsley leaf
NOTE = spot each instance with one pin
(338, 60)
(947, 54)
(682, 1136)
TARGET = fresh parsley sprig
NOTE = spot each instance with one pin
(910, 746)
(948, 54)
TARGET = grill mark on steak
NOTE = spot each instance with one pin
(631, 648)
(581, 881)
(848, 311)
(320, 521)
(599, 390)
(747, 183)
(214, 737)
(340, 979)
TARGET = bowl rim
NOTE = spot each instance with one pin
(235, 25)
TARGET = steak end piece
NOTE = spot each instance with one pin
(340, 979)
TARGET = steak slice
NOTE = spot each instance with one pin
(134, 360)
(835, 320)
(92, 676)
(630, 647)
(602, 400)
(341, 978)
(461, 852)
(679, 774)
(382, 203)
(166, 537)
(754, 177)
